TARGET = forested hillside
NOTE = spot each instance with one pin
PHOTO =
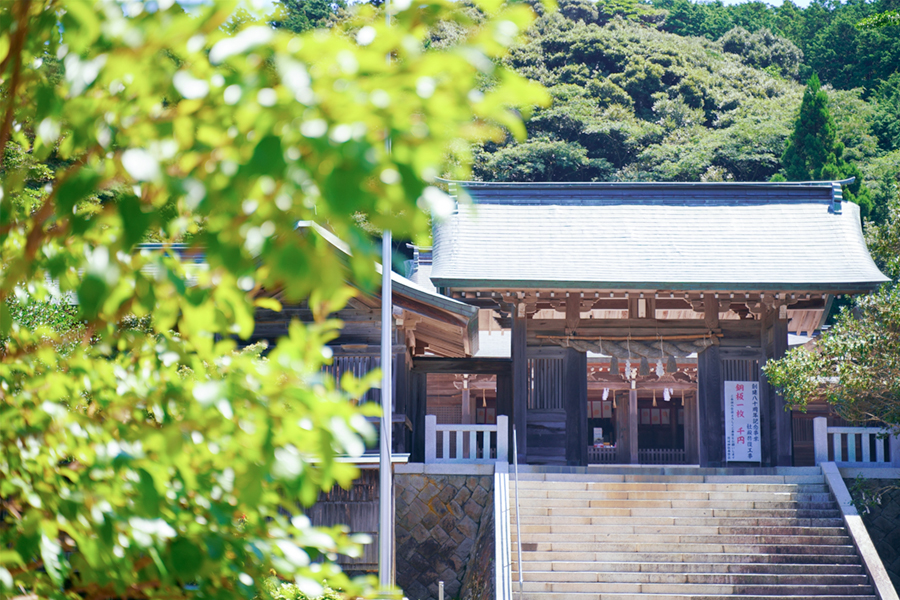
(679, 91)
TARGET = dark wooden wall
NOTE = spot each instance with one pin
(358, 509)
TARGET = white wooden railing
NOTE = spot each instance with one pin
(886, 447)
(466, 443)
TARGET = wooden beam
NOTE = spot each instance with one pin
(711, 311)
(678, 386)
(462, 365)
(573, 313)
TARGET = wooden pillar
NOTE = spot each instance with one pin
(632, 427)
(782, 448)
(504, 404)
(400, 434)
(691, 429)
(626, 429)
(418, 400)
(575, 403)
(710, 408)
(518, 352)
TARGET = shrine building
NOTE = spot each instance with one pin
(638, 315)
(611, 323)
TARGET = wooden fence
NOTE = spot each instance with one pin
(646, 456)
(466, 443)
(855, 446)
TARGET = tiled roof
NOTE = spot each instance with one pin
(653, 236)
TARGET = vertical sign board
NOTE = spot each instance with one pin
(742, 421)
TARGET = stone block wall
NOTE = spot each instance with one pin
(442, 534)
(882, 520)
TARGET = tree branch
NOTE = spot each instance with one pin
(15, 51)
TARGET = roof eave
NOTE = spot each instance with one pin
(523, 284)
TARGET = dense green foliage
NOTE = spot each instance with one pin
(302, 15)
(842, 54)
(142, 454)
(813, 152)
(684, 91)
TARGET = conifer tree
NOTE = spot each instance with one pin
(813, 152)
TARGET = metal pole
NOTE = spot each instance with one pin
(385, 483)
(518, 515)
(385, 479)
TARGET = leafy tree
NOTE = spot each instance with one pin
(855, 365)
(813, 152)
(888, 17)
(886, 121)
(543, 160)
(764, 49)
(303, 15)
(160, 461)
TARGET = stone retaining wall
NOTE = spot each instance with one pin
(442, 534)
(882, 520)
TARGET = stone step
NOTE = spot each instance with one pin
(633, 504)
(644, 521)
(700, 547)
(654, 556)
(699, 567)
(830, 513)
(649, 596)
(672, 487)
(743, 496)
(671, 470)
(641, 538)
(699, 588)
(785, 579)
(684, 526)
(619, 478)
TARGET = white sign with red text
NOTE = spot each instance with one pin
(742, 421)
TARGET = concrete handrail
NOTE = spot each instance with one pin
(502, 536)
(479, 451)
(821, 431)
(884, 589)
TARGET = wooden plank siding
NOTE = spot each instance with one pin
(358, 509)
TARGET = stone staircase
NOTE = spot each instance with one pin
(640, 533)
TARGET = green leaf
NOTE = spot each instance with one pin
(91, 294)
(51, 553)
(6, 579)
(268, 157)
(148, 497)
(79, 186)
(186, 558)
(134, 220)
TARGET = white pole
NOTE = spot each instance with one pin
(385, 479)
(385, 487)
(518, 514)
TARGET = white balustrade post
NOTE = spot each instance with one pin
(820, 439)
(503, 438)
(894, 442)
(430, 439)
